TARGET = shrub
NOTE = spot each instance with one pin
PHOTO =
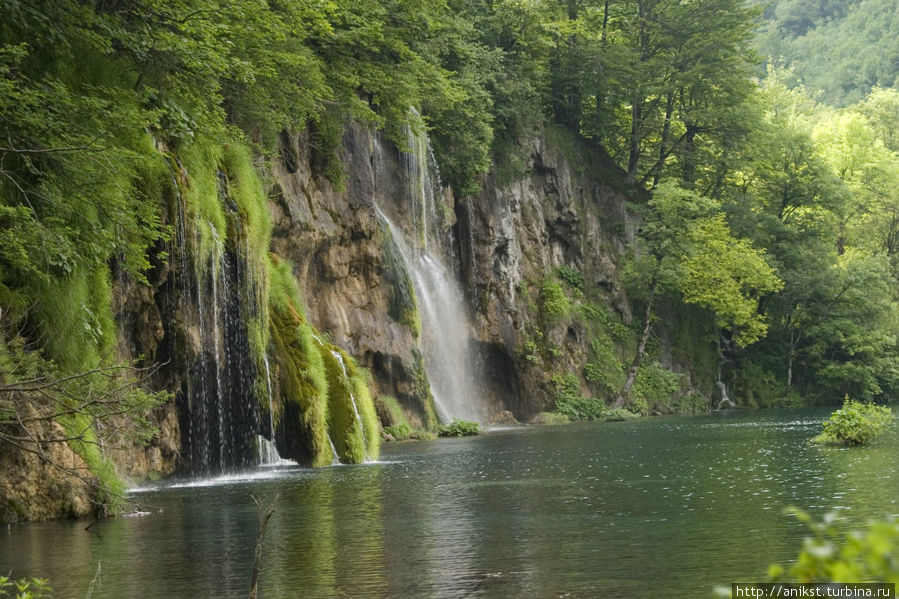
(829, 556)
(33, 588)
(855, 423)
(555, 304)
(573, 406)
(692, 404)
(460, 428)
(572, 278)
(400, 432)
(550, 418)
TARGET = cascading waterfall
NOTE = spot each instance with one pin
(352, 397)
(217, 400)
(217, 264)
(445, 338)
(266, 449)
(421, 168)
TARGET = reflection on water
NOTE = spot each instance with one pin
(577, 511)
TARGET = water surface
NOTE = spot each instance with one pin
(665, 507)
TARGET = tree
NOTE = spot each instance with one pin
(95, 412)
(688, 252)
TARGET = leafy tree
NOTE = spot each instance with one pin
(689, 252)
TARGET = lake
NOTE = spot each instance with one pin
(660, 507)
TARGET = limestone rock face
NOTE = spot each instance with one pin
(561, 212)
(33, 488)
(336, 242)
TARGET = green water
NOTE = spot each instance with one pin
(665, 507)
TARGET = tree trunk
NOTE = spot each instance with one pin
(622, 399)
(633, 160)
(663, 145)
(605, 24)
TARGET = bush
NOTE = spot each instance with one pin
(550, 418)
(828, 556)
(857, 556)
(34, 588)
(460, 428)
(855, 423)
(555, 304)
(572, 278)
(571, 405)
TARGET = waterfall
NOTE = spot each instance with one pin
(445, 328)
(267, 452)
(349, 384)
(219, 411)
(424, 183)
(216, 337)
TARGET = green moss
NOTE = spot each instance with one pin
(74, 319)
(423, 391)
(110, 489)
(247, 191)
(251, 231)
(303, 378)
(284, 293)
(397, 424)
(200, 161)
(366, 406)
(345, 421)
(393, 411)
(334, 398)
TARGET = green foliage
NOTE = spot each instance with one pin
(855, 423)
(555, 306)
(459, 428)
(400, 432)
(604, 367)
(692, 404)
(303, 379)
(697, 255)
(25, 588)
(101, 409)
(571, 405)
(550, 418)
(831, 556)
(573, 278)
(840, 50)
(654, 386)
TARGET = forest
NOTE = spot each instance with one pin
(762, 173)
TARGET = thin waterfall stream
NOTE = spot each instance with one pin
(445, 326)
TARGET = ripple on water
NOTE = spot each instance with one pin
(580, 511)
